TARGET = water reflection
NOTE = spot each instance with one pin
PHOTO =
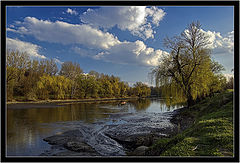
(171, 103)
(140, 104)
(27, 127)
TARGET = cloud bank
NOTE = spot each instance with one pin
(89, 40)
(93, 39)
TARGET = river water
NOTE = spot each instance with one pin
(27, 127)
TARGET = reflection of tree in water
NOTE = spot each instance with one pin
(140, 104)
(171, 102)
(25, 126)
(172, 96)
(87, 112)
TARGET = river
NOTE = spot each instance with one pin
(27, 127)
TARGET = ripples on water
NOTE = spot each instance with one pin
(26, 128)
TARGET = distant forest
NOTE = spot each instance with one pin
(29, 79)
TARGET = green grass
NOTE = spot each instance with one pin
(210, 135)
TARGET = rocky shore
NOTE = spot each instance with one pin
(123, 134)
(69, 143)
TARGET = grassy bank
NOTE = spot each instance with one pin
(210, 133)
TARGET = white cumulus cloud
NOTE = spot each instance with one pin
(72, 12)
(65, 33)
(221, 44)
(132, 53)
(92, 40)
(31, 49)
(134, 19)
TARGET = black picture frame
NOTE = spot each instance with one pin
(5, 158)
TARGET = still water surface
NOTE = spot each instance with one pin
(26, 127)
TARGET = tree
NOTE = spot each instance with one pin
(87, 86)
(51, 67)
(155, 91)
(44, 87)
(60, 87)
(72, 71)
(55, 87)
(141, 90)
(17, 63)
(105, 86)
(91, 89)
(188, 66)
(216, 67)
(94, 73)
(115, 85)
(123, 88)
(229, 83)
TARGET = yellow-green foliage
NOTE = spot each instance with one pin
(32, 79)
(141, 90)
(57, 86)
(188, 69)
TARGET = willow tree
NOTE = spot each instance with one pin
(187, 68)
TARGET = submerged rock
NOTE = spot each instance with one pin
(60, 139)
(132, 132)
(60, 151)
(70, 143)
(78, 146)
(141, 130)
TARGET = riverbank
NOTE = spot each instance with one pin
(206, 130)
(69, 100)
(58, 103)
(121, 133)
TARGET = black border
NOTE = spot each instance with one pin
(4, 158)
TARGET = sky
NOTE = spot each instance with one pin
(122, 41)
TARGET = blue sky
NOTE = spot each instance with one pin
(121, 41)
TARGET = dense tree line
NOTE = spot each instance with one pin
(29, 79)
(188, 72)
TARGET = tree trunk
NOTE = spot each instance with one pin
(190, 100)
